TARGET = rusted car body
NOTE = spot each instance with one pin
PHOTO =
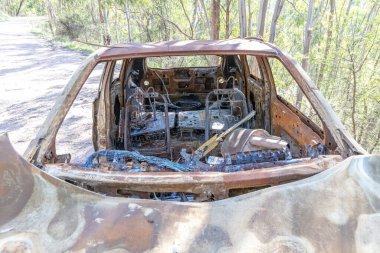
(215, 134)
(144, 113)
(334, 211)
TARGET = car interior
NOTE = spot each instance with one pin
(169, 106)
(194, 113)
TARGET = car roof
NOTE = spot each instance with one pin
(189, 47)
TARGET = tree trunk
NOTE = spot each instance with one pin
(371, 15)
(19, 7)
(374, 67)
(354, 86)
(107, 32)
(249, 29)
(152, 23)
(146, 27)
(306, 48)
(127, 12)
(52, 17)
(116, 24)
(215, 19)
(348, 7)
(206, 17)
(228, 6)
(328, 42)
(93, 12)
(194, 17)
(363, 123)
(164, 12)
(337, 48)
(141, 26)
(106, 38)
(242, 19)
(60, 6)
(276, 13)
(261, 18)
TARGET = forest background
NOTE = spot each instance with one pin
(337, 41)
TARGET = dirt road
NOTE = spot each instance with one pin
(32, 75)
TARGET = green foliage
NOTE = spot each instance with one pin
(86, 49)
(9, 7)
(181, 61)
(29, 7)
(345, 68)
(70, 25)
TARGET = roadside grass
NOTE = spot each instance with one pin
(73, 45)
(42, 29)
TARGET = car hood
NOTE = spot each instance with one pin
(337, 210)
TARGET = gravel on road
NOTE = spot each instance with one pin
(32, 75)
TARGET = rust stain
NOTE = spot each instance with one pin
(16, 184)
(122, 226)
(324, 213)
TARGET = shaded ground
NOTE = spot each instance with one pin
(32, 75)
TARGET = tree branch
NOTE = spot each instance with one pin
(188, 19)
(173, 24)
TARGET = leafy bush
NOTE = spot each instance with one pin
(70, 25)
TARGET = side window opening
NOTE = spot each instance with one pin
(117, 70)
(286, 88)
(78, 141)
(258, 89)
(116, 100)
(255, 70)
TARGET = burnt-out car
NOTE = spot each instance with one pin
(186, 135)
(196, 121)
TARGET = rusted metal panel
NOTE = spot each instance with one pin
(284, 120)
(192, 182)
(329, 212)
(246, 140)
(346, 145)
(166, 48)
(42, 148)
(42, 213)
